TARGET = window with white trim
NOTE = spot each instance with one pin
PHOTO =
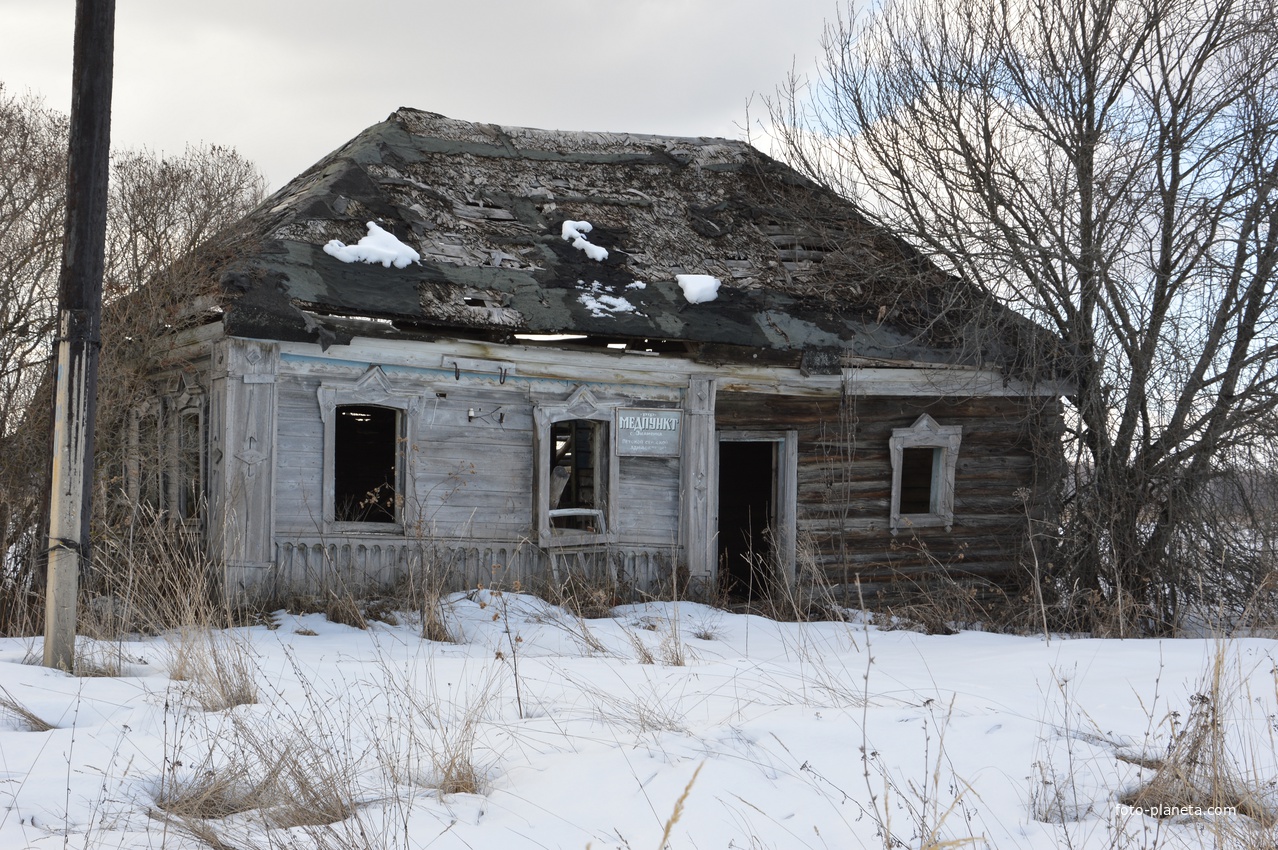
(368, 427)
(576, 471)
(923, 463)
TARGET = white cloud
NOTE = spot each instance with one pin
(287, 82)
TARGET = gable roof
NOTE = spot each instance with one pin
(806, 278)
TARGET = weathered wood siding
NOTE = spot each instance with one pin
(299, 457)
(473, 478)
(469, 498)
(312, 564)
(845, 486)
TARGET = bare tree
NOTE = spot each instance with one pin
(32, 183)
(33, 153)
(161, 209)
(1110, 169)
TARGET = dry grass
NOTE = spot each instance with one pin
(435, 622)
(211, 793)
(673, 651)
(678, 808)
(429, 742)
(1201, 767)
(423, 590)
(96, 660)
(21, 609)
(28, 718)
(342, 607)
(585, 596)
(642, 653)
(218, 665)
(150, 575)
(646, 710)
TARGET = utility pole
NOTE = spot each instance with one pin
(79, 323)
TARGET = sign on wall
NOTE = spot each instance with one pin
(648, 432)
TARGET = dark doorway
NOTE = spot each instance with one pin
(364, 474)
(747, 494)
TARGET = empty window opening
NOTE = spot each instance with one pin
(747, 499)
(577, 475)
(150, 463)
(924, 458)
(365, 473)
(190, 465)
(918, 480)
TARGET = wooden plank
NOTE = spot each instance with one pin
(699, 489)
(602, 367)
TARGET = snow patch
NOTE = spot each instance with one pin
(699, 288)
(379, 246)
(574, 232)
(598, 299)
(638, 284)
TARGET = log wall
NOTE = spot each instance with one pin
(845, 488)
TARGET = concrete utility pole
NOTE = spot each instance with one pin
(79, 323)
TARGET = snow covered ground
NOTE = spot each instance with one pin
(722, 730)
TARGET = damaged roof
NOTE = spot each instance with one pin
(806, 278)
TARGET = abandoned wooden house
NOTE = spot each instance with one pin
(636, 357)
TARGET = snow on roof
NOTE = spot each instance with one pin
(573, 231)
(699, 288)
(379, 246)
(600, 303)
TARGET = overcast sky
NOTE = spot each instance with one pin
(287, 81)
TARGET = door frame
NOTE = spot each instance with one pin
(785, 480)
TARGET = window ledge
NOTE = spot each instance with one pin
(568, 539)
(386, 528)
(908, 521)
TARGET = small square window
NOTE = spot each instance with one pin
(923, 463)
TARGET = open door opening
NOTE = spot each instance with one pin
(747, 518)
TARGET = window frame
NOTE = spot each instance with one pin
(945, 440)
(166, 463)
(580, 405)
(147, 459)
(190, 460)
(373, 389)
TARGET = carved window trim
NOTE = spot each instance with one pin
(925, 433)
(372, 389)
(166, 463)
(190, 461)
(146, 461)
(581, 404)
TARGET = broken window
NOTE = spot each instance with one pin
(575, 470)
(578, 475)
(918, 480)
(365, 464)
(190, 464)
(165, 457)
(145, 462)
(923, 462)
